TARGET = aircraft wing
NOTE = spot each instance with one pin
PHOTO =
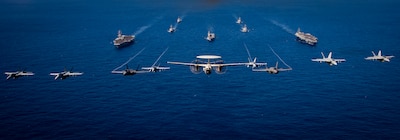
(54, 74)
(388, 57)
(371, 58)
(9, 73)
(26, 73)
(339, 60)
(75, 73)
(187, 64)
(158, 68)
(117, 72)
(227, 64)
(259, 70)
(261, 64)
(319, 60)
(282, 69)
(142, 71)
(147, 68)
(163, 68)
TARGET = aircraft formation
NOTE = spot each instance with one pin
(206, 63)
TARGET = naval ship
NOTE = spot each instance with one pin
(306, 37)
(123, 40)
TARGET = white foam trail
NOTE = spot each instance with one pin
(284, 27)
(176, 25)
(235, 16)
(279, 57)
(142, 29)
(129, 60)
(159, 57)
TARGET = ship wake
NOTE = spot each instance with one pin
(283, 26)
(143, 28)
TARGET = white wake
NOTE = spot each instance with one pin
(283, 26)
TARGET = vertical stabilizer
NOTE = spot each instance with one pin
(373, 53)
(380, 53)
(276, 65)
(323, 56)
(330, 55)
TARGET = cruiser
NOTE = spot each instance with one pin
(306, 37)
(123, 40)
(171, 29)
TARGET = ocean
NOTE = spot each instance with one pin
(357, 99)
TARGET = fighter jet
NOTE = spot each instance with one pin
(128, 71)
(252, 62)
(328, 59)
(154, 68)
(65, 74)
(380, 57)
(272, 70)
(18, 74)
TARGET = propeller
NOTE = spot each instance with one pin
(195, 69)
(220, 70)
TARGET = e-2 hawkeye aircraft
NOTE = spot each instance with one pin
(208, 66)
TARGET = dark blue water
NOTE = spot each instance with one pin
(357, 99)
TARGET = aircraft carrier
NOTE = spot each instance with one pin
(306, 37)
(123, 40)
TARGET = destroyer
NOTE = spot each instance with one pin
(306, 37)
(123, 40)
(210, 36)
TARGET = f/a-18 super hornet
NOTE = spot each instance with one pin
(380, 57)
(65, 74)
(128, 72)
(252, 62)
(154, 68)
(331, 61)
(272, 70)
